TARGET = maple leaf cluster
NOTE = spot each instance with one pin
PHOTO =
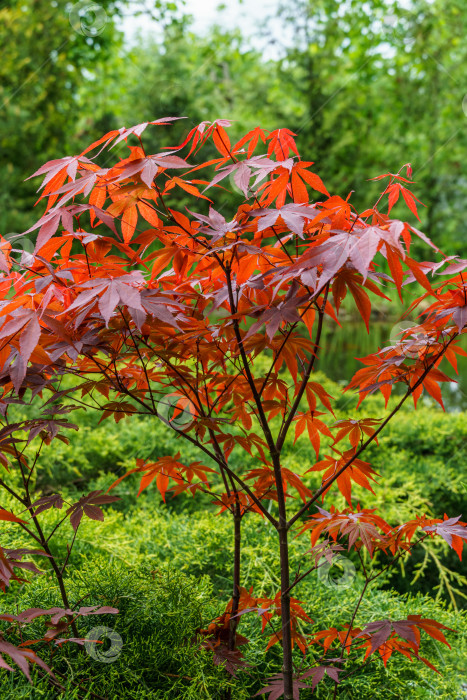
(151, 310)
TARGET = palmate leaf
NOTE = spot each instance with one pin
(343, 637)
(232, 660)
(10, 517)
(276, 688)
(265, 485)
(297, 638)
(56, 614)
(166, 468)
(393, 192)
(318, 672)
(356, 430)
(25, 323)
(200, 133)
(53, 501)
(22, 658)
(294, 216)
(252, 138)
(358, 471)
(391, 365)
(109, 293)
(382, 637)
(11, 559)
(362, 528)
(231, 501)
(348, 279)
(314, 426)
(276, 683)
(281, 142)
(89, 506)
(60, 622)
(452, 531)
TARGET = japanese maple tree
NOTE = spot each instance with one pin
(214, 324)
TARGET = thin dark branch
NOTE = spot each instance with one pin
(340, 471)
(303, 385)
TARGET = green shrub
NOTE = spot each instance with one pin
(161, 611)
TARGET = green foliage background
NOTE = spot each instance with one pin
(366, 87)
(167, 567)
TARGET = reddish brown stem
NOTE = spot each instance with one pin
(409, 392)
(236, 576)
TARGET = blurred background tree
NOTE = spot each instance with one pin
(51, 51)
(381, 83)
(365, 85)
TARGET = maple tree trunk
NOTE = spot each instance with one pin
(45, 544)
(287, 667)
(57, 571)
(282, 529)
(236, 576)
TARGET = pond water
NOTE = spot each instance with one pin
(343, 345)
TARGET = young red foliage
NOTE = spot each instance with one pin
(215, 327)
